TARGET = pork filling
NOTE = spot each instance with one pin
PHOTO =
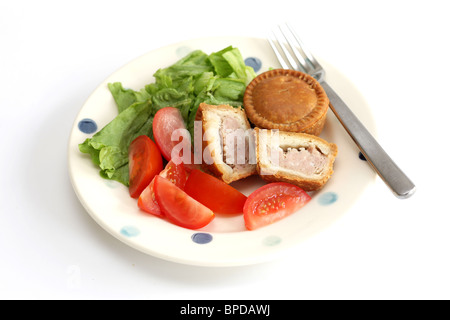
(235, 143)
(308, 160)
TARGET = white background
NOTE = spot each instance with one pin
(55, 53)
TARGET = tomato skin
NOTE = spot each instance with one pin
(273, 202)
(165, 122)
(214, 193)
(145, 161)
(179, 207)
(176, 174)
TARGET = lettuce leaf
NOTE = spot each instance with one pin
(108, 148)
(218, 78)
(228, 63)
(126, 97)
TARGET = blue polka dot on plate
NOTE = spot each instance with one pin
(361, 156)
(328, 198)
(130, 231)
(87, 126)
(253, 62)
(202, 238)
(271, 241)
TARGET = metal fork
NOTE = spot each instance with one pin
(298, 57)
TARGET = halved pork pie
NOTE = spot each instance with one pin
(228, 142)
(298, 158)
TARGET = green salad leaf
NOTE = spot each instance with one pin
(218, 78)
(108, 148)
(126, 97)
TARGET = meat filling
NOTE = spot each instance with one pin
(307, 160)
(235, 143)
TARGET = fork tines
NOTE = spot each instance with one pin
(290, 51)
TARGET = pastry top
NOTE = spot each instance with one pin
(288, 100)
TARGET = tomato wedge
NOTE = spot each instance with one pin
(273, 202)
(175, 173)
(145, 161)
(179, 207)
(214, 193)
(165, 122)
(147, 201)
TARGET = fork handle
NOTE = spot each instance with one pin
(391, 174)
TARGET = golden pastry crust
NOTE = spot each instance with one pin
(287, 100)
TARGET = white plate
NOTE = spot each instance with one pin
(225, 242)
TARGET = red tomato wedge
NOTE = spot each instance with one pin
(175, 173)
(179, 207)
(214, 193)
(147, 201)
(273, 202)
(145, 161)
(165, 122)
